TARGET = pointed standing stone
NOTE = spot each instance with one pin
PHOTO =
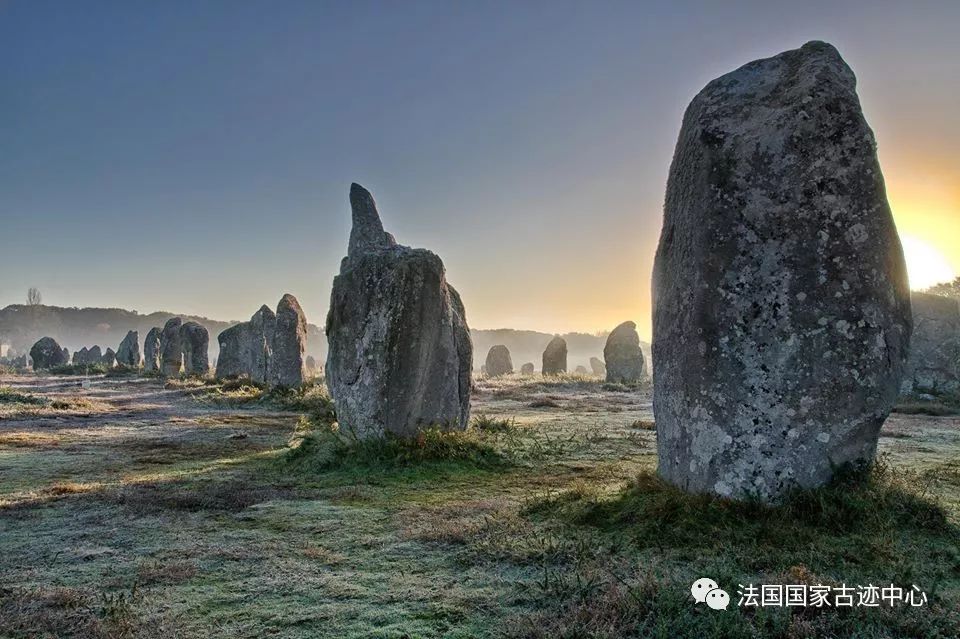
(128, 353)
(781, 307)
(289, 343)
(400, 352)
(151, 350)
(260, 344)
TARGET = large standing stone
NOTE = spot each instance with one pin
(288, 344)
(260, 344)
(623, 356)
(171, 348)
(195, 342)
(46, 353)
(934, 364)
(527, 369)
(94, 355)
(80, 357)
(109, 358)
(498, 361)
(555, 357)
(233, 360)
(128, 353)
(781, 309)
(598, 367)
(151, 350)
(400, 353)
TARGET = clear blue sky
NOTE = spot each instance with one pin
(196, 156)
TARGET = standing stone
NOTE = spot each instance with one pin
(109, 358)
(128, 353)
(598, 367)
(171, 348)
(527, 369)
(581, 370)
(233, 360)
(94, 355)
(288, 344)
(260, 344)
(46, 353)
(555, 357)
(400, 353)
(781, 308)
(80, 357)
(310, 363)
(195, 343)
(151, 350)
(934, 364)
(623, 356)
(498, 361)
(66, 355)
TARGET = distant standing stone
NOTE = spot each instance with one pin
(528, 368)
(400, 352)
(195, 343)
(498, 361)
(233, 360)
(94, 355)
(581, 370)
(622, 354)
(555, 357)
(151, 350)
(289, 343)
(598, 367)
(934, 364)
(128, 353)
(781, 307)
(80, 357)
(171, 348)
(66, 355)
(310, 363)
(46, 353)
(109, 358)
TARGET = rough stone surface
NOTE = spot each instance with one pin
(781, 307)
(260, 344)
(555, 357)
(934, 364)
(400, 353)
(498, 361)
(623, 356)
(109, 358)
(128, 353)
(195, 342)
(598, 367)
(46, 353)
(289, 342)
(528, 368)
(151, 350)
(233, 360)
(171, 348)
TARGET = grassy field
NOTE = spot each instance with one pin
(138, 508)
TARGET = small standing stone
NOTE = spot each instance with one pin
(599, 368)
(555, 357)
(109, 358)
(46, 353)
(624, 359)
(581, 370)
(527, 369)
(498, 361)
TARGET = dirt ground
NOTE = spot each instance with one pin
(129, 508)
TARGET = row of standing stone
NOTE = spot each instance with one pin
(623, 360)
